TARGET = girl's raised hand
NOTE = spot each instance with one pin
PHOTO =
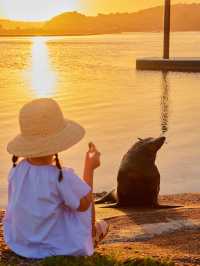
(92, 157)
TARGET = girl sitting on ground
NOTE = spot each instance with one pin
(50, 209)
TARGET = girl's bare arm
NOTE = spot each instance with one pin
(92, 161)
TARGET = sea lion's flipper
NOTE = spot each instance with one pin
(110, 205)
(110, 197)
(173, 206)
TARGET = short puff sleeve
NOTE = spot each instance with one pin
(72, 189)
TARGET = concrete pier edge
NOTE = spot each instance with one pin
(172, 64)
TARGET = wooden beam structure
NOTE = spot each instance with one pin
(167, 15)
(166, 63)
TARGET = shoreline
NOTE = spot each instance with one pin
(126, 239)
(177, 198)
(87, 34)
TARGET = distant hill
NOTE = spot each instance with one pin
(10, 24)
(10, 27)
(185, 17)
(76, 23)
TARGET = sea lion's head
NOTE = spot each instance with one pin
(148, 147)
(153, 144)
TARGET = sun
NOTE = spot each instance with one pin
(36, 10)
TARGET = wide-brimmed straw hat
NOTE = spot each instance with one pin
(44, 130)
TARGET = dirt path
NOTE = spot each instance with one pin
(143, 225)
(182, 247)
(165, 233)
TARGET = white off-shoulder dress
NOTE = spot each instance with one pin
(37, 223)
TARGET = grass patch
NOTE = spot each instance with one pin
(100, 260)
(147, 262)
(95, 260)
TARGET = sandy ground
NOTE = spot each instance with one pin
(164, 233)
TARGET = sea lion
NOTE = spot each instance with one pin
(138, 177)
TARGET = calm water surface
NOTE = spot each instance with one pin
(95, 81)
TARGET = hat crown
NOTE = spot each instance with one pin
(41, 117)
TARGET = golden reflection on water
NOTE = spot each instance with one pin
(43, 78)
(165, 104)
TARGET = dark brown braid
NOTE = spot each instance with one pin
(58, 165)
(14, 161)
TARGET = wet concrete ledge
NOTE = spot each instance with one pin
(173, 64)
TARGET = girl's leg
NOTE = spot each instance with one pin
(101, 231)
(100, 228)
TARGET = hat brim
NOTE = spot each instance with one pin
(34, 147)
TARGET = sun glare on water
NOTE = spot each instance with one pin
(42, 77)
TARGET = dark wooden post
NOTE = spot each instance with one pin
(167, 15)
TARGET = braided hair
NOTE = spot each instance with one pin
(58, 165)
(14, 161)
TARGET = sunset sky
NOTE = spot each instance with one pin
(46, 9)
